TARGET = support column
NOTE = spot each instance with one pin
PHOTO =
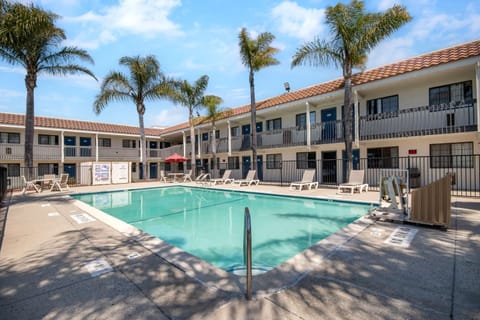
(477, 95)
(229, 138)
(62, 145)
(309, 129)
(185, 144)
(199, 144)
(356, 120)
(96, 147)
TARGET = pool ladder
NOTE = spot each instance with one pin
(247, 251)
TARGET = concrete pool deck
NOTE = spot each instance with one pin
(45, 252)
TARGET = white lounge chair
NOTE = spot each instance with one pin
(355, 182)
(225, 179)
(61, 184)
(163, 177)
(307, 181)
(249, 179)
(202, 178)
(187, 176)
(28, 185)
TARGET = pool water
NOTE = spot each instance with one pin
(209, 223)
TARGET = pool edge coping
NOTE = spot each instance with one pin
(285, 275)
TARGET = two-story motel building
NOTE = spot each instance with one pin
(424, 106)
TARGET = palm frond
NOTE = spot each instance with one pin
(317, 53)
(107, 96)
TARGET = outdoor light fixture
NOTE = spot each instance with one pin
(287, 86)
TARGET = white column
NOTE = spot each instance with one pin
(357, 119)
(141, 154)
(96, 147)
(309, 129)
(62, 145)
(199, 144)
(477, 95)
(229, 138)
(184, 143)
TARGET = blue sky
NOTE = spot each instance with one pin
(191, 38)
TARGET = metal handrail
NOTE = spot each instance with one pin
(247, 251)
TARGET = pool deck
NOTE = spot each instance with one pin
(44, 254)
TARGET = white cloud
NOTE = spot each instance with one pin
(147, 18)
(18, 70)
(386, 4)
(7, 93)
(299, 22)
(169, 117)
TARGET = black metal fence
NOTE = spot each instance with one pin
(421, 171)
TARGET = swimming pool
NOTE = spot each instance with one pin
(209, 223)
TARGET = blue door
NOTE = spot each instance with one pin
(246, 165)
(153, 170)
(70, 143)
(70, 168)
(260, 167)
(329, 121)
(245, 137)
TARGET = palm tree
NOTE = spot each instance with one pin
(213, 114)
(355, 32)
(145, 82)
(192, 97)
(256, 54)
(29, 38)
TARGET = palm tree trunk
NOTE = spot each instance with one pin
(347, 116)
(30, 83)
(143, 143)
(192, 142)
(253, 126)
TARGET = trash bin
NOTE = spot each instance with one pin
(414, 177)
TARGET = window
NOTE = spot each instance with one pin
(233, 162)
(9, 137)
(274, 161)
(105, 142)
(382, 158)
(382, 105)
(48, 139)
(126, 143)
(235, 131)
(306, 160)
(274, 124)
(451, 155)
(47, 168)
(301, 120)
(205, 136)
(13, 169)
(70, 141)
(451, 94)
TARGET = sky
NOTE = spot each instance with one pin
(191, 38)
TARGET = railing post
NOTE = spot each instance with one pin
(247, 252)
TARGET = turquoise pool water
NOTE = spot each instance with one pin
(209, 223)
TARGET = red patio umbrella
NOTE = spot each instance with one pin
(175, 158)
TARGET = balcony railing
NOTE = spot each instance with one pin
(419, 121)
(118, 153)
(40, 152)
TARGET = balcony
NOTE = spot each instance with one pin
(419, 121)
(117, 154)
(40, 152)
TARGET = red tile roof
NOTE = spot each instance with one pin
(432, 59)
(57, 123)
